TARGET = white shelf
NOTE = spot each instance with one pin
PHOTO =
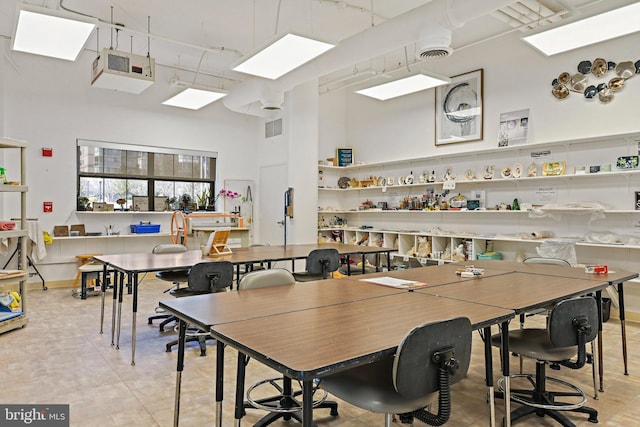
(5, 188)
(566, 145)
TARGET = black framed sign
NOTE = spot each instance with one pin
(344, 156)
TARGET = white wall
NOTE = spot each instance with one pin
(515, 77)
(50, 103)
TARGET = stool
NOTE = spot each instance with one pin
(91, 270)
(82, 259)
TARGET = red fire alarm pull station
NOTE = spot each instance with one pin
(47, 152)
(47, 207)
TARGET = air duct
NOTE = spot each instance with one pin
(435, 43)
(401, 31)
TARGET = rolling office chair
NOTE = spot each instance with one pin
(175, 276)
(284, 403)
(429, 359)
(204, 278)
(572, 323)
(546, 310)
(320, 264)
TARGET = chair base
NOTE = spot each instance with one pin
(168, 318)
(285, 404)
(541, 401)
(192, 336)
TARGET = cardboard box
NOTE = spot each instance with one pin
(596, 269)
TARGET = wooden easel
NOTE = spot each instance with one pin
(218, 240)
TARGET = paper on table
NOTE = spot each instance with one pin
(395, 283)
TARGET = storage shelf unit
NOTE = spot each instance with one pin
(340, 215)
(20, 233)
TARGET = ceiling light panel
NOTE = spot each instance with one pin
(404, 86)
(587, 31)
(286, 54)
(194, 99)
(51, 33)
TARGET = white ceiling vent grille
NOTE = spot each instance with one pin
(273, 128)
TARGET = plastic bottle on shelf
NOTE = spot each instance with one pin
(3, 176)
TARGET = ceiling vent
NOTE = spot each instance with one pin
(434, 43)
(272, 100)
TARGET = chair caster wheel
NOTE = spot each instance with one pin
(555, 366)
(333, 412)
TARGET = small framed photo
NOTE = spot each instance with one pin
(140, 203)
(459, 109)
(344, 157)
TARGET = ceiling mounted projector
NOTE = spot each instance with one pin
(123, 71)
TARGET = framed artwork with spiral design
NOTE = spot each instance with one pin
(459, 109)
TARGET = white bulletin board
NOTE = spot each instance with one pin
(247, 191)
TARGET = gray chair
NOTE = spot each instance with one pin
(320, 264)
(283, 403)
(204, 278)
(176, 277)
(572, 323)
(429, 359)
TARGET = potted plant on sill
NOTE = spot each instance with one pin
(202, 200)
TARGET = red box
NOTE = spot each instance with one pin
(596, 269)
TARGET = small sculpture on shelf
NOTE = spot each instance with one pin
(83, 203)
(122, 202)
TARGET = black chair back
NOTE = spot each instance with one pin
(422, 351)
(210, 277)
(323, 261)
(568, 316)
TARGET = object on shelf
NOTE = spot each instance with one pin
(516, 170)
(627, 162)
(432, 177)
(553, 168)
(449, 175)
(3, 176)
(409, 179)
(506, 172)
(458, 201)
(488, 172)
(343, 182)
(7, 225)
(489, 255)
(144, 228)
(469, 175)
(532, 169)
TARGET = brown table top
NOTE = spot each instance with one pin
(431, 275)
(614, 276)
(212, 309)
(141, 262)
(516, 290)
(309, 343)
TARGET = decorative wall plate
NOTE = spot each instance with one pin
(516, 170)
(382, 182)
(627, 162)
(390, 180)
(344, 182)
(488, 172)
(469, 175)
(553, 168)
(408, 179)
(401, 180)
(532, 169)
(506, 172)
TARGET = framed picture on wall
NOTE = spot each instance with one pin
(459, 109)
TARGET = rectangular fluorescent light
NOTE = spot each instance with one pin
(587, 31)
(194, 99)
(53, 33)
(404, 86)
(285, 54)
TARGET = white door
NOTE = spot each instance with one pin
(273, 184)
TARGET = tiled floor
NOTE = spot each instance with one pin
(61, 358)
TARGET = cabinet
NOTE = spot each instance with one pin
(16, 194)
(596, 211)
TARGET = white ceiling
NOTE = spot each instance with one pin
(208, 36)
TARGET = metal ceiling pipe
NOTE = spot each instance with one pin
(375, 41)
